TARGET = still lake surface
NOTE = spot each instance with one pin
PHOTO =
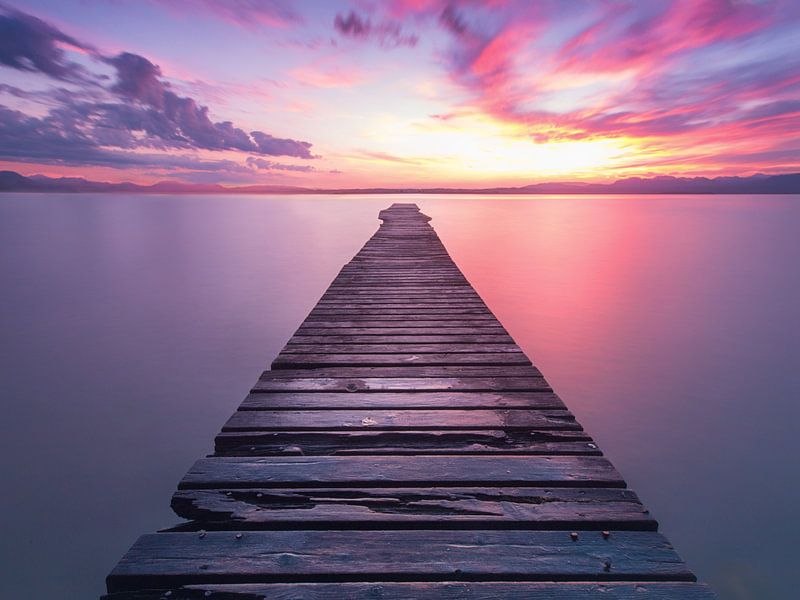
(132, 326)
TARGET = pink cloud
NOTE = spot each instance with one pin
(244, 13)
(666, 89)
(327, 76)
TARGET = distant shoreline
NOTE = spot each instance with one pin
(11, 181)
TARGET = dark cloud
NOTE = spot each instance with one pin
(352, 25)
(102, 124)
(388, 34)
(55, 139)
(138, 79)
(30, 44)
(273, 146)
(452, 20)
(59, 140)
(152, 107)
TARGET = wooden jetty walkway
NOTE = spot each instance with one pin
(403, 446)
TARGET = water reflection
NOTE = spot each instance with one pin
(133, 326)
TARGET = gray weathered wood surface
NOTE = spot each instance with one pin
(428, 591)
(403, 446)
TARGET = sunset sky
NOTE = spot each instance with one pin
(398, 93)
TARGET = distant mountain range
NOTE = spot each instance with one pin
(11, 181)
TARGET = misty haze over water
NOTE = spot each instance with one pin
(132, 326)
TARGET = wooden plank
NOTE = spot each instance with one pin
(405, 443)
(400, 310)
(384, 304)
(412, 269)
(404, 323)
(365, 317)
(452, 339)
(164, 559)
(419, 348)
(342, 359)
(398, 300)
(373, 281)
(427, 302)
(418, 508)
(647, 590)
(410, 371)
(413, 471)
(440, 400)
(361, 292)
(399, 419)
(403, 384)
(431, 289)
(398, 332)
(409, 311)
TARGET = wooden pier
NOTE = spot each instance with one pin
(403, 446)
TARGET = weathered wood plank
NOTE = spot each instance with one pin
(400, 419)
(387, 471)
(405, 443)
(342, 359)
(400, 331)
(358, 292)
(407, 371)
(403, 384)
(378, 348)
(395, 289)
(454, 340)
(386, 508)
(394, 400)
(647, 590)
(414, 319)
(404, 323)
(377, 282)
(415, 312)
(345, 300)
(164, 559)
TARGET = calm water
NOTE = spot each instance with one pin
(132, 326)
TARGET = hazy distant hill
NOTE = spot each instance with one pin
(11, 181)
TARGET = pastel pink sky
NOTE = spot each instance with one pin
(398, 93)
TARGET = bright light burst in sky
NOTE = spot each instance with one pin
(400, 92)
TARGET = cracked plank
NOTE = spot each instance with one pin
(386, 508)
(412, 471)
(406, 442)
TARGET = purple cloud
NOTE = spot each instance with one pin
(268, 165)
(273, 146)
(179, 120)
(352, 25)
(30, 44)
(59, 140)
(389, 34)
(138, 79)
(92, 125)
